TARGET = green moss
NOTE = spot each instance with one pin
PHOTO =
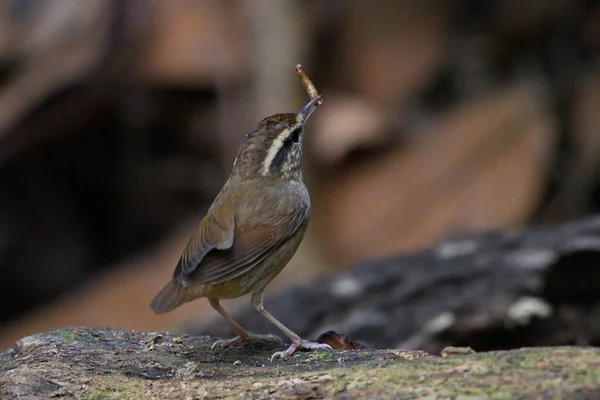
(115, 387)
(90, 368)
(67, 335)
(471, 377)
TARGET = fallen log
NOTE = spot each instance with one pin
(535, 287)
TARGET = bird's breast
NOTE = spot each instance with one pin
(280, 198)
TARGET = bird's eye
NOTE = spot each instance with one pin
(295, 135)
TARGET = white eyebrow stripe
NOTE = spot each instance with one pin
(274, 149)
(278, 144)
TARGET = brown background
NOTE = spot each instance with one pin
(119, 121)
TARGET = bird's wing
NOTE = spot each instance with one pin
(210, 234)
(250, 244)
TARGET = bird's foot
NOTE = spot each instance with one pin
(299, 345)
(247, 337)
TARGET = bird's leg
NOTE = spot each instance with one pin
(297, 342)
(242, 334)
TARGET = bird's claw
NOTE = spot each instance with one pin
(301, 345)
(225, 343)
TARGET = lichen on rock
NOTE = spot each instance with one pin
(105, 363)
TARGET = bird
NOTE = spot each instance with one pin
(252, 229)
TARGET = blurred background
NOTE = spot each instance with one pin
(120, 120)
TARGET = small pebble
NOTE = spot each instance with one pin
(456, 351)
(157, 338)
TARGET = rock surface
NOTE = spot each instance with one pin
(97, 363)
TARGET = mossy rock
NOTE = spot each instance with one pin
(86, 363)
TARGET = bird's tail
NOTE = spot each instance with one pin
(169, 298)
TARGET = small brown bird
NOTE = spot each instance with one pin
(252, 229)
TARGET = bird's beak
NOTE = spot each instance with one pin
(309, 108)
